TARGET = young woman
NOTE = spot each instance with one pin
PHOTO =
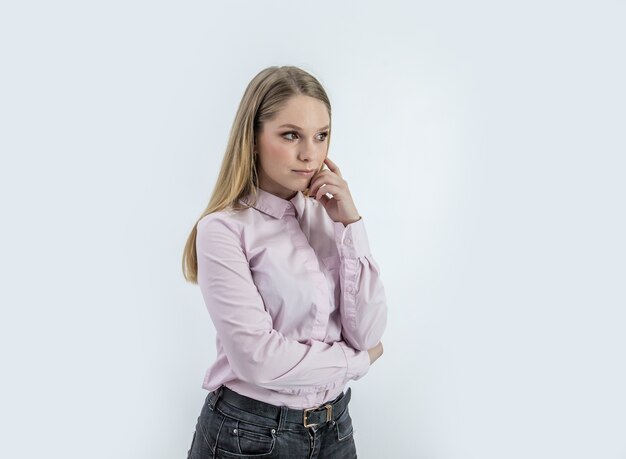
(282, 259)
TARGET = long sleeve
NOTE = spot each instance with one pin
(363, 300)
(257, 353)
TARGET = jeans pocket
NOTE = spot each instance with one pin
(240, 437)
(343, 425)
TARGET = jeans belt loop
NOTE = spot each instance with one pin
(217, 393)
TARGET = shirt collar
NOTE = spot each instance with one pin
(273, 205)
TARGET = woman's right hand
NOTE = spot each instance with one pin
(375, 352)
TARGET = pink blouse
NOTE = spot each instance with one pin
(296, 300)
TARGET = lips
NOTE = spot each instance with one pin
(307, 174)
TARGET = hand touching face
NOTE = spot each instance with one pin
(340, 207)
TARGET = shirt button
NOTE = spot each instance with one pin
(348, 241)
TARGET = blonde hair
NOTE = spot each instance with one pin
(264, 97)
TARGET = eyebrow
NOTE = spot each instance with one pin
(299, 128)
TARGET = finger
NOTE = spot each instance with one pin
(332, 189)
(318, 192)
(324, 199)
(332, 166)
(325, 177)
(323, 187)
(320, 175)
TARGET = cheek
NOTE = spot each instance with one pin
(278, 155)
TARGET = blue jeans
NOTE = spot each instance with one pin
(231, 425)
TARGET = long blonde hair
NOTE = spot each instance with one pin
(264, 97)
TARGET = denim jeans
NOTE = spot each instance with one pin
(227, 431)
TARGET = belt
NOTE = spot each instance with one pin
(308, 417)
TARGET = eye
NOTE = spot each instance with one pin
(289, 133)
(324, 134)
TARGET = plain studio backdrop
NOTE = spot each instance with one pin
(483, 143)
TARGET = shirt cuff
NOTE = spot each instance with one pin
(358, 362)
(351, 240)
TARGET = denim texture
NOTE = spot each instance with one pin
(225, 431)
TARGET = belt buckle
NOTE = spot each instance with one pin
(329, 414)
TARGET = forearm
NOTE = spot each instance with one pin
(363, 303)
(272, 361)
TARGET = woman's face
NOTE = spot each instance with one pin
(301, 145)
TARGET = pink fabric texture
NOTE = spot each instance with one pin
(296, 300)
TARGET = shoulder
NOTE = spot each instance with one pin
(222, 223)
(215, 218)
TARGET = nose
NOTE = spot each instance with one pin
(308, 151)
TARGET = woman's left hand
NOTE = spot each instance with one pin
(340, 207)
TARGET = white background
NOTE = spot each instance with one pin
(484, 146)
